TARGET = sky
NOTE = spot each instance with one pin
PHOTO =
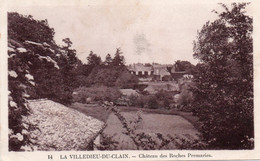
(146, 32)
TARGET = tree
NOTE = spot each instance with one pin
(224, 79)
(108, 60)
(107, 76)
(67, 42)
(119, 59)
(110, 73)
(93, 59)
(21, 28)
(183, 66)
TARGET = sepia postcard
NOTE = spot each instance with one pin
(129, 80)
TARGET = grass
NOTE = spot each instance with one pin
(167, 122)
(151, 123)
(102, 114)
(93, 110)
(186, 115)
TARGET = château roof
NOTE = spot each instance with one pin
(140, 67)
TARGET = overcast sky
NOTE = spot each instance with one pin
(161, 32)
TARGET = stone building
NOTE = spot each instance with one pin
(149, 72)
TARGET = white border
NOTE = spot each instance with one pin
(5, 155)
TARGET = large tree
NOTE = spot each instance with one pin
(108, 60)
(184, 66)
(119, 59)
(94, 59)
(224, 80)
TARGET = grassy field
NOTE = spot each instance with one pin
(172, 122)
(152, 123)
(93, 110)
(102, 114)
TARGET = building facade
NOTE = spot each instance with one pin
(151, 72)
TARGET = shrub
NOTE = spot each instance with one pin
(151, 102)
(165, 98)
(96, 93)
(143, 101)
(126, 80)
(107, 143)
(184, 98)
(162, 99)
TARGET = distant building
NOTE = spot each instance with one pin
(144, 72)
(141, 69)
(161, 73)
(149, 72)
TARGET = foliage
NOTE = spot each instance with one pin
(104, 75)
(96, 93)
(23, 28)
(118, 59)
(38, 68)
(112, 76)
(107, 143)
(184, 66)
(53, 86)
(143, 101)
(111, 72)
(185, 97)
(17, 103)
(94, 60)
(224, 80)
(165, 99)
(21, 63)
(108, 61)
(162, 99)
(126, 80)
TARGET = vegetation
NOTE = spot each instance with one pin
(96, 94)
(112, 72)
(39, 68)
(162, 99)
(221, 94)
(184, 66)
(224, 80)
(94, 110)
(20, 28)
(32, 56)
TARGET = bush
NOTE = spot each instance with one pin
(143, 101)
(165, 98)
(96, 93)
(126, 80)
(184, 98)
(162, 99)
